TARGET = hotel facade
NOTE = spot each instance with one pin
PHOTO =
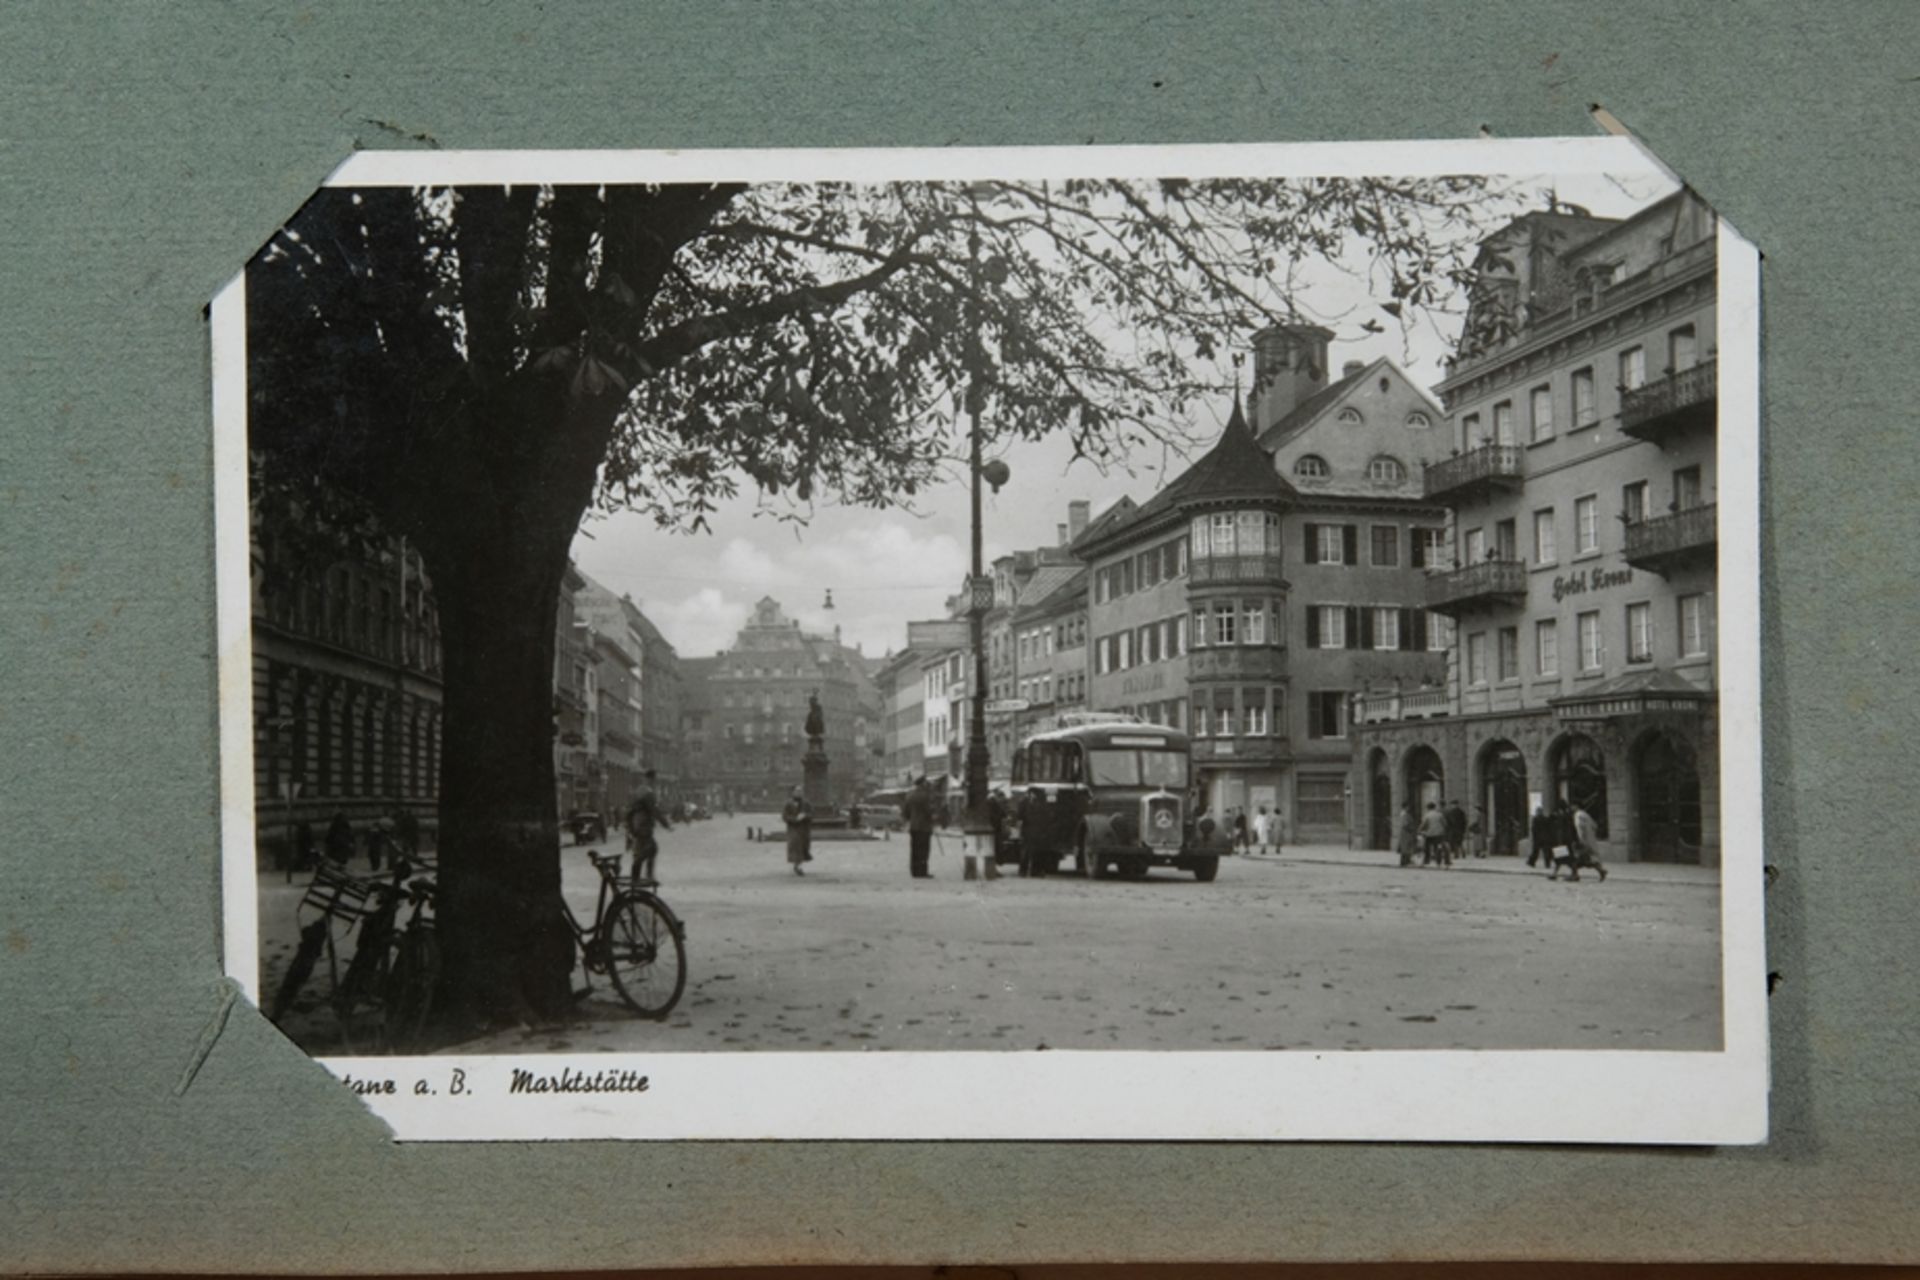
(1582, 539)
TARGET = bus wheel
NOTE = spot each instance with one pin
(1088, 864)
(1205, 869)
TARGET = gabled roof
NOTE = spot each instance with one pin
(1235, 468)
(1111, 518)
(1052, 581)
(1312, 407)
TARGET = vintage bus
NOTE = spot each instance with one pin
(1114, 796)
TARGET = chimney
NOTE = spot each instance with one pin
(1289, 367)
(1352, 367)
(1079, 512)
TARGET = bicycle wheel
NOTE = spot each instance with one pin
(410, 987)
(645, 956)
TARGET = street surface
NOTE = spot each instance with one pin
(1318, 948)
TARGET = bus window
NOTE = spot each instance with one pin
(1164, 769)
(1113, 768)
(1019, 766)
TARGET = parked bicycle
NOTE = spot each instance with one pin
(384, 996)
(635, 939)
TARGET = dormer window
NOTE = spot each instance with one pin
(1417, 421)
(1351, 417)
(1311, 467)
(1385, 470)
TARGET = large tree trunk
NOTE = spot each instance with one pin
(508, 954)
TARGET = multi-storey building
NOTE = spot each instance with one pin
(901, 691)
(1582, 404)
(758, 699)
(574, 770)
(1050, 648)
(346, 686)
(1248, 599)
(696, 727)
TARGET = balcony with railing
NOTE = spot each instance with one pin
(1388, 708)
(1487, 469)
(1234, 568)
(1676, 403)
(1486, 585)
(1678, 541)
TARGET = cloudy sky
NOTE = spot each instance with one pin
(885, 567)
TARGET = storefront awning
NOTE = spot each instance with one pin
(1633, 694)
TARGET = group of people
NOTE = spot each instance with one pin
(1262, 833)
(385, 841)
(1567, 837)
(918, 810)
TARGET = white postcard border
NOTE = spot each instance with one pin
(1373, 1095)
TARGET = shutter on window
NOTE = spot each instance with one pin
(1313, 623)
(1421, 635)
(1313, 543)
(1408, 621)
(1366, 628)
(1350, 543)
(1417, 553)
(1353, 628)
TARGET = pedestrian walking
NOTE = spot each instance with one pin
(917, 810)
(1477, 831)
(1407, 839)
(1456, 818)
(643, 816)
(1240, 829)
(798, 815)
(1541, 831)
(1277, 829)
(1584, 851)
(1262, 829)
(1433, 836)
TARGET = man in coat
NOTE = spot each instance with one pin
(643, 815)
(1542, 832)
(1585, 850)
(798, 815)
(1457, 828)
(1433, 836)
(917, 809)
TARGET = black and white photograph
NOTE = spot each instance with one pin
(1217, 642)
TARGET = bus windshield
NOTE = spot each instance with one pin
(1113, 767)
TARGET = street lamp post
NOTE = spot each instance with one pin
(980, 862)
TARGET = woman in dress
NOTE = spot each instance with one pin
(798, 816)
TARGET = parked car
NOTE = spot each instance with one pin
(587, 826)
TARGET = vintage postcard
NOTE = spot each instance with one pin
(1102, 643)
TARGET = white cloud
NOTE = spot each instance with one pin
(699, 624)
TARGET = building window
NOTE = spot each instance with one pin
(1224, 629)
(1256, 716)
(1470, 431)
(1418, 421)
(1386, 628)
(1197, 637)
(1540, 400)
(1351, 417)
(1686, 488)
(1586, 411)
(1633, 502)
(1429, 549)
(1543, 548)
(1546, 647)
(1439, 633)
(1640, 632)
(1222, 533)
(1506, 540)
(1199, 716)
(1327, 626)
(1320, 802)
(1507, 655)
(1590, 654)
(1223, 718)
(1693, 626)
(1311, 466)
(1503, 423)
(1326, 716)
(1586, 525)
(1680, 349)
(1633, 368)
(1171, 646)
(1332, 543)
(1253, 622)
(1477, 658)
(1385, 470)
(1473, 547)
